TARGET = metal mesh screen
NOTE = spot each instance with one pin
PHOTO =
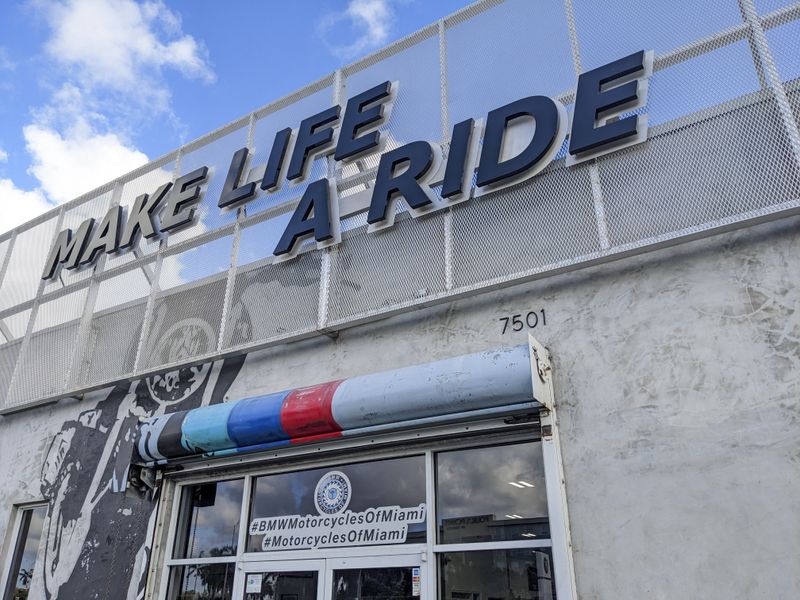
(144, 183)
(216, 155)
(374, 271)
(25, 265)
(525, 227)
(187, 311)
(723, 165)
(44, 362)
(723, 149)
(270, 300)
(95, 208)
(264, 131)
(517, 49)
(614, 28)
(109, 347)
(13, 330)
(416, 113)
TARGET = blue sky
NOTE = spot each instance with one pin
(90, 89)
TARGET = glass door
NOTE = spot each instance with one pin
(377, 578)
(281, 580)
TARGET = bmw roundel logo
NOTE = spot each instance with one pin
(333, 493)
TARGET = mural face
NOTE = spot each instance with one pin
(97, 534)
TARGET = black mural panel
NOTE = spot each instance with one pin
(97, 535)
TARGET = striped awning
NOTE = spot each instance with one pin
(438, 391)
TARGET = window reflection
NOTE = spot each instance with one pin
(298, 585)
(491, 494)
(497, 575)
(393, 583)
(22, 567)
(210, 520)
(394, 482)
(202, 582)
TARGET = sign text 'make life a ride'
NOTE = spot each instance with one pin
(513, 143)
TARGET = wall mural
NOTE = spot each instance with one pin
(96, 536)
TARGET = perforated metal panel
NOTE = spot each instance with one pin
(372, 271)
(270, 300)
(723, 150)
(525, 227)
(95, 208)
(216, 155)
(47, 353)
(416, 111)
(187, 311)
(26, 263)
(13, 331)
(264, 130)
(721, 166)
(111, 340)
(516, 49)
(146, 182)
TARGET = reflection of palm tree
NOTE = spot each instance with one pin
(214, 577)
(25, 576)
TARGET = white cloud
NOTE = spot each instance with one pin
(18, 206)
(110, 56)
(6, 64)
(371, 20)
(82, 159)
(121, 44)
(3, 155)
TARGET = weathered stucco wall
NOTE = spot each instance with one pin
(679, 393)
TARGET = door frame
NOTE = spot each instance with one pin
(282, 566)
(326, 566)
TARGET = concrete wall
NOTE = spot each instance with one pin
(679, 394)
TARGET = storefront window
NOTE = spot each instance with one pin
(301, 585)
(202, 582)
(380, 502)
(23, 560)
(373, 584)
(210, 520)
(491, 494)
(497, 575)
(341, 532)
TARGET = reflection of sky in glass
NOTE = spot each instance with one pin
(35, 520)
(203, 582)
(399, 481)
(477, 482)
(517, 49)
(498, 574)
(213, 526)
(612, 29)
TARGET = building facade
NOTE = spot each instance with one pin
(504, 310)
